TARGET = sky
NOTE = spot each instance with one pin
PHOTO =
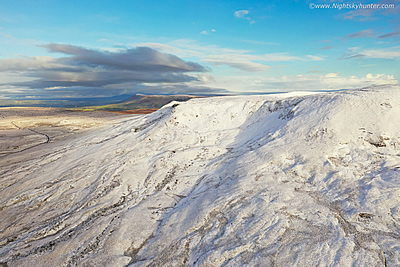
(68, 49)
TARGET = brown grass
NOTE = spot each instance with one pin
(136, 111)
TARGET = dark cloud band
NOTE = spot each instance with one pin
(88, 68)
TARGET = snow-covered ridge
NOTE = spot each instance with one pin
(286, 180)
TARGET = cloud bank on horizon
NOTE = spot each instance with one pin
(216, 48)
(92, 70)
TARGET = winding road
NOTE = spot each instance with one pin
(35, 132)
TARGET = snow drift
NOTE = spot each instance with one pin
(276, 180)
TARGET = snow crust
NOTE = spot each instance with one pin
(276, 180)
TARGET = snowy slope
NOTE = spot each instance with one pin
(284, 180)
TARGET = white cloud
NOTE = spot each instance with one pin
(382, 53)
(205, 49)
(387, 53)
(372, 14)
(314, 58)
(90, 70)
(207, 32)
(312, 82)
(241, 13)
(261, 84)
(259, 42)
(190, 48)
(394, 34)
(331, 75)
(237, 62)
(246, 62)
(368, 33)
(327, 47)
(157, 46)
(238, 59)
(31, 64)
(277, 57)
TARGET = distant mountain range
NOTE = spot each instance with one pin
(62, 102)
(117, 103)
(139, 102)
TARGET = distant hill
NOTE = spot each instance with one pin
(139, 103)
(123, 104)
(63, 102)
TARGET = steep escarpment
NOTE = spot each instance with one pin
(304, 180)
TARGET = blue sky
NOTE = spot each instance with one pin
(105, 48)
